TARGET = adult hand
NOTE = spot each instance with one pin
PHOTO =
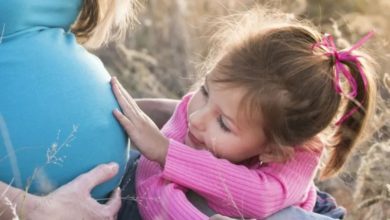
(143, 132)
(74, 201)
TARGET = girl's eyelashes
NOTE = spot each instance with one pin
(204, 91)
(222, 124)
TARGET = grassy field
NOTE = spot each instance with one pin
(161, 56)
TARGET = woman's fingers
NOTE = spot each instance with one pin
(114, 204)
(96, 176)
(73, 200)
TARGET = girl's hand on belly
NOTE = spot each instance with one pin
(143, 132)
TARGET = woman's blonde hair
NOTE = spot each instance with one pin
(102, 20)
(290, 83)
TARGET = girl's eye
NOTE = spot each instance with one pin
(204, 91)
(222, 124)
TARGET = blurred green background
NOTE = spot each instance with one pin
(161, 55)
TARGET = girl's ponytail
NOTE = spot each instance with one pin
(354, 120)
(359, 106)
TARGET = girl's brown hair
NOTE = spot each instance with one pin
(103, 20)
(291, 83)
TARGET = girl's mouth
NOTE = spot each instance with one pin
(194, 140)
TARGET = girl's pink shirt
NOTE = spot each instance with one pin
(244, 191)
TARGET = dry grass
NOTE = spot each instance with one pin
(172, 38)
(161, 56)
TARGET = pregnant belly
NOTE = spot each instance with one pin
(55, 113)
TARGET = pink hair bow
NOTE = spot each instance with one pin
(327, 42)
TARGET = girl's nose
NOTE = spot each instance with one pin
(198, 119)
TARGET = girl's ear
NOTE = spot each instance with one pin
(276, 154)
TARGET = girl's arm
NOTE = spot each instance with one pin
(236, 190)
(71, 201)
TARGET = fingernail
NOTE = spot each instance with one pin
(113, 166)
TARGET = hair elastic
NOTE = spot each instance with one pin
(339, 56)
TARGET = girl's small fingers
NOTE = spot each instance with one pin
(127, 95)
(118, 94)
(117, 85)
(127, 107)
(124, 121)
(122, 89)
(130, 107)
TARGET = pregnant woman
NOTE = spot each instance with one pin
(55, 97)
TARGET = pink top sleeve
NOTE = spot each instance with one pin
(238, 190)
(158, 198)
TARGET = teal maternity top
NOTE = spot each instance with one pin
(56, 103)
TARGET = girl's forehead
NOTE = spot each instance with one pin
(233, 100)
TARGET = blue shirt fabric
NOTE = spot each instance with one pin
(56, 103)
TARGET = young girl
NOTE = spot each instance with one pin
(250, 138)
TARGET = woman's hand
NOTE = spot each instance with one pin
(74, 201)
(143, 132)
(71, 201)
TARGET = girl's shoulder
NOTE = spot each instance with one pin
(309, 153)
(315, 146)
